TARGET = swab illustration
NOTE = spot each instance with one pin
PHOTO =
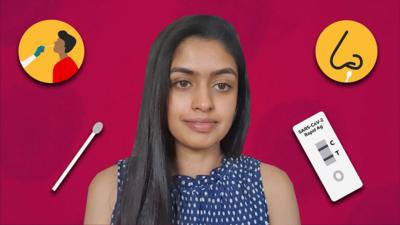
(96, 130)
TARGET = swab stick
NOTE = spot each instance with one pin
(96, 129)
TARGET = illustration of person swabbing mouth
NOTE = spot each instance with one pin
(66, 67)
(187, 166)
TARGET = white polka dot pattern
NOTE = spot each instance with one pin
(231, 194)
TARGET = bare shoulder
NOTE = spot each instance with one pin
(105, 179)
(102, 194)
(280, 195)
(274, 178)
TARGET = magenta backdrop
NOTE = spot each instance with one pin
(43, 126)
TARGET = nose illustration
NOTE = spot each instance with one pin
(346, 51)
(351, 65)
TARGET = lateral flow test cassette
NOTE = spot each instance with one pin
(327, 156)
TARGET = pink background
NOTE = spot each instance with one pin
(43, 126)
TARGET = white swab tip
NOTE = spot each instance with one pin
(97, 127)
(348, 75)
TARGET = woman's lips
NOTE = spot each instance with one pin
(201, 125)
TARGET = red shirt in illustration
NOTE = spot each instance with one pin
(64, 69)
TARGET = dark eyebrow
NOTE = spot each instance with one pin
(226, 70)
(182, 70)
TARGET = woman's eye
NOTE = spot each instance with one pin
(223, 86)
(182, 84)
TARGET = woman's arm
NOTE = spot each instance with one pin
(280, 196)
(101, 198)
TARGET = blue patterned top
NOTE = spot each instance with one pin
(232, 193)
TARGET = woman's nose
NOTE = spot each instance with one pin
(202, 99)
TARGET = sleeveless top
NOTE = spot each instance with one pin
(232, 193)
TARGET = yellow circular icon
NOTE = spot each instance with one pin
(346, 51)
(51, 51)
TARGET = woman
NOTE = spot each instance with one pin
(187, 166)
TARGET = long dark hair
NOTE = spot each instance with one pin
(146, 193)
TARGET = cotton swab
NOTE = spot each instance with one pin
(96, 130)
(348, 75)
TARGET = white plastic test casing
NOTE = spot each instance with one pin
(327, 156)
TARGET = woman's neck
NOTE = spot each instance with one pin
(193, 162)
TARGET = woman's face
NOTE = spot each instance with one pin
(203, 93)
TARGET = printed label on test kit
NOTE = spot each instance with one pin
(327, 156)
